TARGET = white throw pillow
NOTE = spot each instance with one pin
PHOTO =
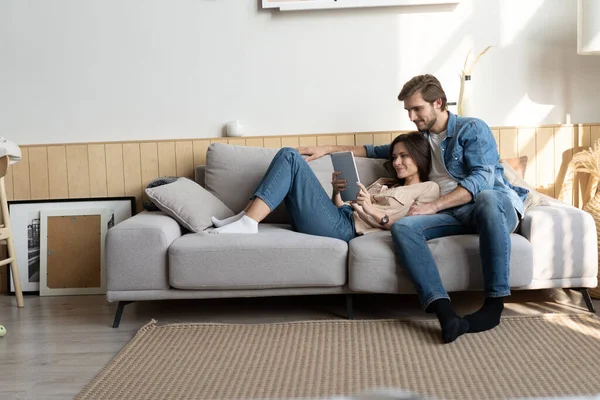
(189, 204)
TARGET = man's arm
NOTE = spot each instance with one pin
(457, 197)
(315, 152)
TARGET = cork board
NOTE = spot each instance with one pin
(73, 253)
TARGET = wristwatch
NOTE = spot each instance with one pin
(384, 220)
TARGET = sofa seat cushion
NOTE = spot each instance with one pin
(275, 257)
(373, 266)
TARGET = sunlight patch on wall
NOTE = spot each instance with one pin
(424, 36)
(528, 113)
(514, 16)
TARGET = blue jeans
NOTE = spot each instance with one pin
(289, 178)
(492, 216)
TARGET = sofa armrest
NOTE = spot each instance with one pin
(137, 252)
(564, 241)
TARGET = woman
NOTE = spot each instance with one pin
(289, 178)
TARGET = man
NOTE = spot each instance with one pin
(475, 199)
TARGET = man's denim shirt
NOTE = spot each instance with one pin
(471, 157)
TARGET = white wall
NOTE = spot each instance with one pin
(112, 70)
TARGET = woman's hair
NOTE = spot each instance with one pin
(418, 149)
(428, 85)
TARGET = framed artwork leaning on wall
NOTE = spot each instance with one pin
(26, 221)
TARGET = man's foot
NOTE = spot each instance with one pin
(243, 225)
(222, 222)
(452, 325)
(487, 317)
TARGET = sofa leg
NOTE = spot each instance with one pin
(587, 299)
(119, 313)
(349, 309)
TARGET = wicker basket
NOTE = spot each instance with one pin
(593, 207)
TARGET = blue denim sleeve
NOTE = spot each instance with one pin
(382, 151)
(480, 156)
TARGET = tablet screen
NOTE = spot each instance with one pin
(344, 162)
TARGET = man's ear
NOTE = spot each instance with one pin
(438, 104)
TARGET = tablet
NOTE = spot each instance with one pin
(343, 161)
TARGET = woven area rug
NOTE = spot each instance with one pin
(526, 356)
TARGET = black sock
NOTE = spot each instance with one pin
(452, 325)
(488, 316)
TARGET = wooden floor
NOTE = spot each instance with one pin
(56, 345)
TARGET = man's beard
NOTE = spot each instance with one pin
(427, 126)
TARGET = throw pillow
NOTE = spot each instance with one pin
(188, 203)
(150, 206)
(518, 164)
(534, 198)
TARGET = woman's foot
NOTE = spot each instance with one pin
(222, 222)
(244, 225)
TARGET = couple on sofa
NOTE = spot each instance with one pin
(449, 182)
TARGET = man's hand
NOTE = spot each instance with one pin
(339, 185)
(313, 152)
(422, 209)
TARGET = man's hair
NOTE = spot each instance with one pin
(418, 149)
(428, 85)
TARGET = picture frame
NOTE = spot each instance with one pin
(73, 242)
(299, 5)
(25, 221)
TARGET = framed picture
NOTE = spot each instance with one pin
(25, 221)
(294, 5)
(72, 251)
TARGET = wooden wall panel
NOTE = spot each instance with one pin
(167, 166)
(21, 180)
(132, 164)
(509, 145)
(526, 147)
(307, 141)
(545, 160)
(97, 165)
(290, 141)
(272, 143)
(149, 162)
(382, 138)
(78, 171)
(184, 157)
(254, 142)
(117, 169)
(200, 147)
(326, 140)
(115, 174)
(363, 138)
(345, 140)
(57, 172)
(38, 167)
(594, 134)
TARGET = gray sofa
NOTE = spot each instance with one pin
(152, 257)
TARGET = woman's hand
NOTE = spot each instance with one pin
(339, 185)
(363, 199)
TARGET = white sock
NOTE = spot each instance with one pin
(222, 222)
(243, 225)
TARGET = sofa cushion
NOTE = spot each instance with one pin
(373, 266)
(188, 203)
(241, 168)
(275, 257)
